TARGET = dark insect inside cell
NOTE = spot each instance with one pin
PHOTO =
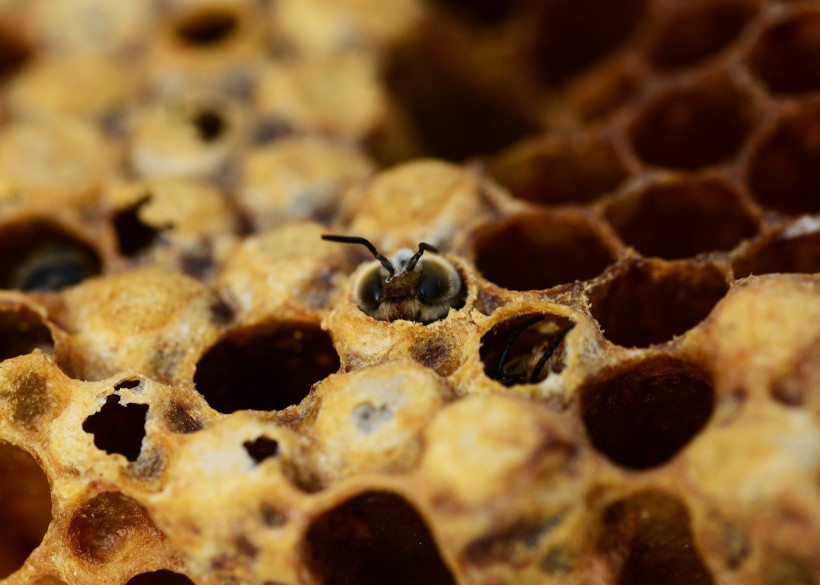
(415, 286)
(526, 349)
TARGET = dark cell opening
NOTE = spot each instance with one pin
(641, 415)
(45, 258)
(573, 34)
(21, 332)
(700, 30)
(452, 114)
(525, 349)
(373, 539)
(118, 428)
(482, 11)
(555, 171)
(25, 507)
(682, 219)
(781, 253)
(210, 125)
(207, 28)
(649, 302)
(15, 53)
(784, 171)
(265, 369)
(134, 235)
(261, 448)
(105, 523)
(647, 538)
(163, 577)
(787, 56)
(693, 127)
(540, 250)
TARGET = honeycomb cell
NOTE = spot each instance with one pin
(103, 525)
(641, 415)
(372, 539)
(784, 170)
(25, 507)
(163, 577)
(693, 126)
(558, 171)
(699, 30)
(651, 302)
(569, 40)
(524, 349)
(206, 28)
(647, 538)
(46, 258)
(787, 56)
(541, 249)
(453, 116)
(781, 252)
(682, 218)
(22, 330)
(267, 368)
(118, 428)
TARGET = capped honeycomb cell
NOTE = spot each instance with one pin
(693, 126)
(786, 55)
(784, 170)
(541, 249)
(679, 219)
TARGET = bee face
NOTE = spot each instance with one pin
(412, 286)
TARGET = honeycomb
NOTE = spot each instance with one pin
(627, 393)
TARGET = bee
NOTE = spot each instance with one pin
(413, 285)
(527, 368)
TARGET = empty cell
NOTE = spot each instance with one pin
(650, 302)
(694, 126)
(540, 250)
(372, 539)
(25, 507)
(267, 368)
(787, 56)
(784, 171)
(22, 330)
(556, 171)
(640, 415)
(781, 252)
(682, 218)
(699, 30)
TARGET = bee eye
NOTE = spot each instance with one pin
(439, 282)
(370, 291)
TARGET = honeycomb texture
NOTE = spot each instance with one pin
(190, 394)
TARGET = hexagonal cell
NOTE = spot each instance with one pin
(682, 218)
(265, 368)
(647, 538)
(648, 302)
(452, 114)
(641, 415)
(22, 330)
(787, 56)
(569, 40)
(525, 349)
(162, 577)
(556, 171)
(781, 252)
(25, 507)
(372, 539)
(693, 126)
(45, 258)
(541, 249)
(698, 30)
(784, 171)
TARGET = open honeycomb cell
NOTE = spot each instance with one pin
(621, 385)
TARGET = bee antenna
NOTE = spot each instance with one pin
(550, 350)
(367, 244)
(505, 353)
(423, 247)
